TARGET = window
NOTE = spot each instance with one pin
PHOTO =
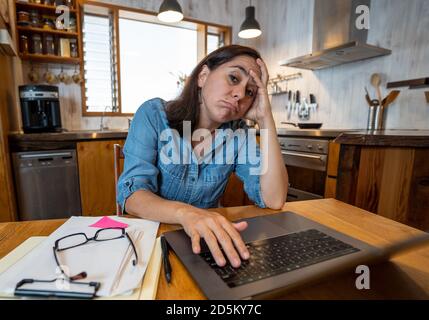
(153, 61)
(99, 64)
(130, 57)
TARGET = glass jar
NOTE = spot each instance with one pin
(35, 19)
(48, 44)
(73, 48)
(72, 25)
(23, 44)
(68, 3)
(23, 18)
(48, 24)
(36, 44)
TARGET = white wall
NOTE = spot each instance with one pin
(401, 26)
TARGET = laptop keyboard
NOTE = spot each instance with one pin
(282, 254)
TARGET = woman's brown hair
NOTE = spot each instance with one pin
(186, 106)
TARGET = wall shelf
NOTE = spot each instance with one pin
(47, 12)
(277, 93)
(412, 84)
(276, 89)
(46, 58)
(42, 8)
(49, 31)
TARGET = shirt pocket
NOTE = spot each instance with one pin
(217, 173)
(171, 177)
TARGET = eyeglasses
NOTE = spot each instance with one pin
(69, 242)
(78, 239)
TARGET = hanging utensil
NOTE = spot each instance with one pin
(49, 76)
(33, 75)
(289, 104)
(77, 78)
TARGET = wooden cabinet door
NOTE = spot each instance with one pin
(96, 177)
(333, 159)
(330, 187)
(332, 170)
(234, 195)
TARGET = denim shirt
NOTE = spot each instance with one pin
(164, 163)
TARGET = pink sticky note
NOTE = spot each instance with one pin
(106, 222)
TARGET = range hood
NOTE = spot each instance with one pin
(336, 39)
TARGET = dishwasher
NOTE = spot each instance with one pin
(47, 184)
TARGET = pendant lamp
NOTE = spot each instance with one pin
(170, 11)
(250, 27)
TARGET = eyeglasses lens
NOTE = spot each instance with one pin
(71, 241)
(109, 234)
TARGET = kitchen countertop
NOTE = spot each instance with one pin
(79, 135)
(20, 142)
(320, 133)
(69, 135)
(386, 138)
(411, 138)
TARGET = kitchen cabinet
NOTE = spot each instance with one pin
(96, 176)
(387, 174)
(234, 195)
(332, 170)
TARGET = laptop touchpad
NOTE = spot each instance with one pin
(261, 228)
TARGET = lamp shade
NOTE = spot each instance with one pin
(250, 27)
(170, 11)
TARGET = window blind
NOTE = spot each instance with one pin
(100, 64)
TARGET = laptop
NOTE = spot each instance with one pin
(286, 252)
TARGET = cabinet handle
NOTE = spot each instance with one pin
(295, 154)
(37, 155)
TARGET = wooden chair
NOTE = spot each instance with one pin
(118, 156)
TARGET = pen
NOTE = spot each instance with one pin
(167, 266)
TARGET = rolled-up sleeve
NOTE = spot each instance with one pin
(140, 151)
(249, 171)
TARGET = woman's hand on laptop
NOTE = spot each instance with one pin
(215, 229)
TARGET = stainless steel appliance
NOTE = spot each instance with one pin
(40, 108)
(306, 161)
(47, 184)
(338, 38)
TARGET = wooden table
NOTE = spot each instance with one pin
(403, 277)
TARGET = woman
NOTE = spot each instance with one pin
(226, 86)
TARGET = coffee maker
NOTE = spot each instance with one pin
(40, 108)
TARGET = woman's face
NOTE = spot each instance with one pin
(228, 91)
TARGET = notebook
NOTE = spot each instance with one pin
(148, 287)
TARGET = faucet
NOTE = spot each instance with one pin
(129, 122)
(102, 127)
